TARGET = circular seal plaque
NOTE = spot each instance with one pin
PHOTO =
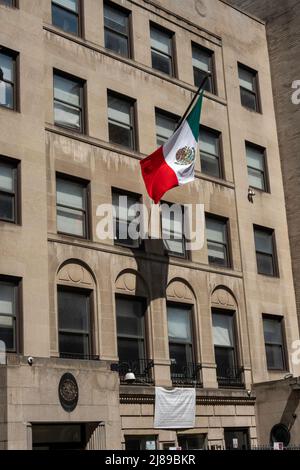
(68, 392)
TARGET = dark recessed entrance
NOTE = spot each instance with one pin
(62, 436)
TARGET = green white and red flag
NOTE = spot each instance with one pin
(173, 164)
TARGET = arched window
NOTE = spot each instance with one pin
(75, 299)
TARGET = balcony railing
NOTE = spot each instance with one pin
(141, 369)
(85, 357)
(187, 373)
(230, 377)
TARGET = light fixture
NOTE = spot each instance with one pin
(251, 195)
(129, 377)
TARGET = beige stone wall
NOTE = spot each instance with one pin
(36, 253)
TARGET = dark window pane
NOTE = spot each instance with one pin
(7, 203)
(225, 361)
(248, 99)
(126, 209)
(7, 67)
(7, 331)
(6, 94)
(130, 317)
(66, 20)
(181, 354)
(210, 165)
(195, 442)
(8, 3)
(8, 314)
(165, 127)
(139, 443)
(272, 331)
(73, 311)
(133, 443)
(199, 76)
(161, 62)
(116, 43)
(264, 241)
(265, 264)
(130, 329)
(120, 135)
(130, 349)
(73, 344)
(274, 357)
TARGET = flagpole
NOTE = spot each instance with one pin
(192, 102)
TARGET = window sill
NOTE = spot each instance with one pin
(69, 236)
(260, 191)
(252, 110)
(269, 276)
(71, 130)
(12, 110)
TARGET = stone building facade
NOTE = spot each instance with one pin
(84, 102)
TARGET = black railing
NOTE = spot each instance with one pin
(187, 373)
(84, 357)
(140, 367)
(229, 377)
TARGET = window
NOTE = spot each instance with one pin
(71, 206)
(131, 329)
(8, 3)
(228, 374)
(162, 50)
(217, 241)
(172, 225)
(265, 251)
(74, 323)
(274, 342)
(256, 167)
(180, 338)
(165, 126)
(210, 152)
(203, 65)
(66, 15)
(8, 190)
(248, 88)
(121, 121)
(116, 30)
(140, 443)
(8, 65)
(8, 314)
(192, 442)
(126, 211)
(68, 102)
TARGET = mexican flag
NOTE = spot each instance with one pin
(173, 163)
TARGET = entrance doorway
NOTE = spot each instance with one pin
(62, 436)
(236, 438)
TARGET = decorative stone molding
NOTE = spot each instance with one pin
(178, 290)
(221, 297)
(131, 282)
(200, 400)
(75, 274)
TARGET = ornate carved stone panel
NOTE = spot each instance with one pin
(75, 274)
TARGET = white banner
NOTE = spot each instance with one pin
(175, 409)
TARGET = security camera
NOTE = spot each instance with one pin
(30, 360)
(129, 377)
(249, 393)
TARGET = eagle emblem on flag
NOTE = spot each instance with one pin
(185, 155)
